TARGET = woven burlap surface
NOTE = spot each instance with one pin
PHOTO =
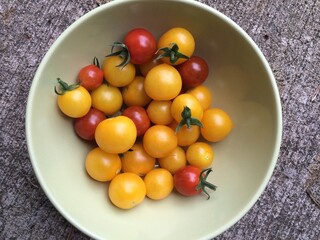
(287, 32)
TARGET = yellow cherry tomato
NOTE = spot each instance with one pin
(159, 141)
(203, 95)
(116, 135)
(102, 166)
(74, 103)
(182, 101)
(159, 112)
(134, 93)
(115, 75)
(174, 161)
(137, 160)
(184, 40)
(186, 136)
(200, 154)
(216, 125)
(127, 190)
(159, 183)
(163, 82)
(107, 99)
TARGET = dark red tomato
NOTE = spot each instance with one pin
(140, 118)
(193, 72)
(141, 45)
(190, 180)
(90, 77)
(85, 126)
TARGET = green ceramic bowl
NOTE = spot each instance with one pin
(242, 84)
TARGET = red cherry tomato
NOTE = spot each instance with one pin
(141, 45)
(193, 72)
(90, 77)
(190, 181)
(85, 126)
(140, 118)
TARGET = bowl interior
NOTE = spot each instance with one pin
(242, 85)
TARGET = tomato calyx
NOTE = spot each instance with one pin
(172, 52)
(96, 62)
(123, 53)
(203, 183)
(64, 87)
(187, 119)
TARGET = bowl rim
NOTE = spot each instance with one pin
(202, 6)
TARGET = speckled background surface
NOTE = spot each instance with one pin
(287, 32)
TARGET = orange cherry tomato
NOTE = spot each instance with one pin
(174, 161)
(203, 95)
(159, 112)
(200, 154)
(102, 166)
(137, 160)
(186, 136)
(116, 134)
(127, 190)
(159, 183)
(216, 125)
(159, 141)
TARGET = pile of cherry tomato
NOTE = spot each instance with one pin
(150, 116)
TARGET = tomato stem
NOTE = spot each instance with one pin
(204, 183)
(187, 119)
(64, 87)
(172, 52)
(123, 53)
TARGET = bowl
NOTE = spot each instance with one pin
(241, 83)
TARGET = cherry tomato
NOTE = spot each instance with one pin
(134, 93)
(141, 45)
(102, 166)
(127, 190)
(216, 125)
(203, 95)
(159, 141)
(174, 161)
(140, 118)
(159, 112)
(107, 99)
(85, 126)
(146, 67)
(163, 82)
(182, 38)
(200, 154)
(182, 101)
(190, 181)
(115, 75)
(137, 160)
(193, 72)
(73, 100)
(116, 134)
(186, 136)
(90, 77)
(159, 183)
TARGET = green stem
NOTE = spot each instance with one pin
(187, 119)
(171, 52)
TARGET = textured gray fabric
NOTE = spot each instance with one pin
(287, 32)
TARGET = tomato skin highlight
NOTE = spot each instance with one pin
(140, 118)
(193, 72)
(85, 126)
(141, 45)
